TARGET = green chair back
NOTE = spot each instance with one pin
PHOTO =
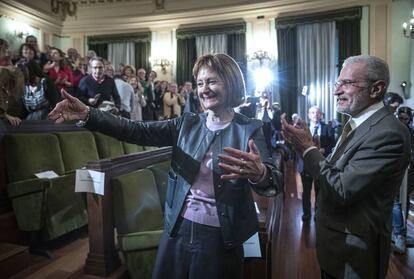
(78, 148)
(160, 172)
(108, 147)
(27, 154)
(137, 206)
(130, 148)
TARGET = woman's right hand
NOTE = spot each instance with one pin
(70, 108)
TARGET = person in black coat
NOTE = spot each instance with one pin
(219, 157)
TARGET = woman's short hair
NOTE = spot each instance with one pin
(132, 68)
(229, 71)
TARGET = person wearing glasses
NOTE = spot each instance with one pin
(218, 157)
(98, 87)
(360, 178)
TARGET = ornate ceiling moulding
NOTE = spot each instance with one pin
(35, 18)
(161, 19)
(87, 2)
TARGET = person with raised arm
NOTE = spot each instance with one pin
(218, 157)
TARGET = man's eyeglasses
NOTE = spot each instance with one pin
(347, 83)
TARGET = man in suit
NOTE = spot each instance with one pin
(324, 139)
(359, 179)
(265, 113)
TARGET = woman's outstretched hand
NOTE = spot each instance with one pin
(240, 164)
(70, 108)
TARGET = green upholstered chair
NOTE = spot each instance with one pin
(138, 220)
(160, 172)
(147, 148)
(48, 206)
(130, 148)
(78, 148)
(108, 147)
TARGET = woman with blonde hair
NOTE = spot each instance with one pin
(173, 101)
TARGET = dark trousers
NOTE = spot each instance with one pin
(197, 252)
(148, 112)
(306, 195)
(267, 132)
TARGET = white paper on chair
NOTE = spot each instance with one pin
(46, 174)
(90, 181)
(252, 247)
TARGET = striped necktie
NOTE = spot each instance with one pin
(315, 130)
(345, 132)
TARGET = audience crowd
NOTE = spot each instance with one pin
(32, 81)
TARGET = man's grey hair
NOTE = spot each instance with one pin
(376, 68)
(91, 53)
(96, 58)
(315, 107)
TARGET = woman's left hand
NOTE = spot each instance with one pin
(240, 164)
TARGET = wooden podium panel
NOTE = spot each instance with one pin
(13, 259)
(259, 268)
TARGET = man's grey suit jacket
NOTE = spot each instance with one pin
(357, 188)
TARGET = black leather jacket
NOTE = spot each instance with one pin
(191, 139)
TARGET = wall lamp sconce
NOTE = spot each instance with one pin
(404, 87)
(66, 7)
(260, 55)
(408, 28)
(20, 34)
(162, 63)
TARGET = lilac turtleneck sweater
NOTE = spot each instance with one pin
(200, 203)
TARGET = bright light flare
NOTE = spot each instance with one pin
(262, 77)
